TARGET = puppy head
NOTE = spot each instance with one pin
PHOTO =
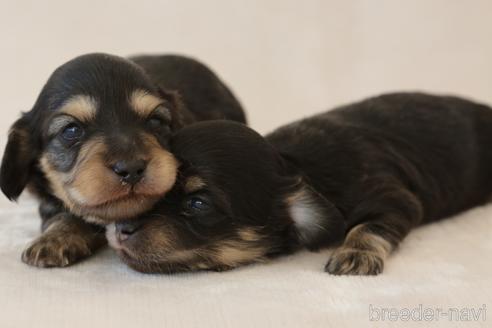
(97, 138)
(221, 211)
(230, 206)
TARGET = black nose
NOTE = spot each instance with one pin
(125, 229)
(130, 171)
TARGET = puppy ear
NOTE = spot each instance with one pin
(180, 114)
(17, 159)
(317, 221)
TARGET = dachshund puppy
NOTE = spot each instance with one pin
(94, 148)
(359, 177)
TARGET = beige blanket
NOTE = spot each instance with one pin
(445, 268)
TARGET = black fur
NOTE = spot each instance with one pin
(189, 90)
(204, 95)
(201, 91)
(373, 170)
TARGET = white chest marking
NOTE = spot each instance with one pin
(308, 216)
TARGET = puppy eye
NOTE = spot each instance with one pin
(159, 118)
(200, 211)
(154, 122)
(197, 205)
(72, 132)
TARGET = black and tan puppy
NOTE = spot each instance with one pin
(360, 177)
(94, 147)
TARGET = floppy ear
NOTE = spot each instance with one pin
(17, 159)
(317, 221)
(181, 116)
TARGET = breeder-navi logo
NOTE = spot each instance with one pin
(422, 313)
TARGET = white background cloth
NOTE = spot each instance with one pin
(284, 60)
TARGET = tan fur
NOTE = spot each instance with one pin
(359, 238)
(82, 107)
(351, 261)
(64, 242)
(194, 184)
(161, 170)
(249, 234)
(93, 190)
(155, 247)
(362, 253)
(183, 256)
(144, 103)
(157, 250)
(159, 241)
(232, 254)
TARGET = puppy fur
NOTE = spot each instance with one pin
(95, 146)
(359, 177)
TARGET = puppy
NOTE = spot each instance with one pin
(95, 146)
(359, 177)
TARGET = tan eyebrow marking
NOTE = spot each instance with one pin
(193, 184)
(82, 107)
(143, 102)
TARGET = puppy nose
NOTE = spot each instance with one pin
(126, 229)
(130, 171)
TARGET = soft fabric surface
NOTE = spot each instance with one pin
(443, 265)
(284, 59)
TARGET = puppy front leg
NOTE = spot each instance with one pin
(386, 220)
(65, 240)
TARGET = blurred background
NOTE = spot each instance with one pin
(284, 59)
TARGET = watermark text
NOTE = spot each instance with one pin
(424, 313)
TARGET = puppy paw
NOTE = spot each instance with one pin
(56, 250)
(351, 261)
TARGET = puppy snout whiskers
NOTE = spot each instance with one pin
(125, 229)
(130, 171)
